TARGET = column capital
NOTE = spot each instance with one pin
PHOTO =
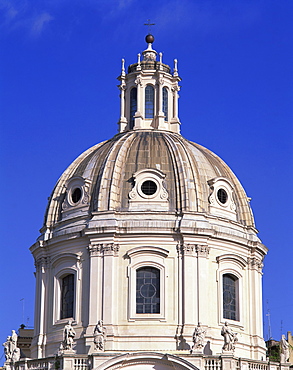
(42, 263)
(255, 264)
(199, 250)
(102, 249)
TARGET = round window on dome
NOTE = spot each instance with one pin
(222, 196)
(76, 195)
(149, 187)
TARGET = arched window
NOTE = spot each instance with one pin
(67, 296)
(133, 106)
(230, 297)
(149, 102)
(148, 290)
(165, 102)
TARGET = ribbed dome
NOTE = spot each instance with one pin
(105, 173)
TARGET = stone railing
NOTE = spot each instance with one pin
(81, 363)
(39, 364)
(257, 366)
(85, 362)
(213, 363)
(216, 363)
(53, 363)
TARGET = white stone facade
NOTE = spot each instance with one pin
(149, 200)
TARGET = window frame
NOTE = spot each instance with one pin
(146, 256)
(156, 285)
(58, 295)
(233, 270)
(165, 103)
(148, 115)
(235, 265)
(61, 282)
(236, 287)
(131, 109)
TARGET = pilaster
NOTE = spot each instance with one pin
(189, 284)
(138, 117)
(42, 265)
(202, 252)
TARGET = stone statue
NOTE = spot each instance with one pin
(69, 335)
(198, 338)
(99, 336)
(11, 351)
(230, 338)
(16, 355)
(284, 347)
(13, 340)
(7, 348)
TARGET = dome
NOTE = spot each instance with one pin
(103, 179)
(143, 234)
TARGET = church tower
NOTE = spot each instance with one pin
(148, 257)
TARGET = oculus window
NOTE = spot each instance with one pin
(230, 292)
(149, 102)
(149, 187)
(76, 195)
(67, 296)
(222, 196)
(148, 290)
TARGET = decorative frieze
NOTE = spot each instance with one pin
(101, 249)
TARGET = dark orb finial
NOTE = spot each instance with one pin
(149, 38)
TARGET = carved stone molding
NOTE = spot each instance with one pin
(138, 199)
(203, 250)
(176, 87)
(73, 183)
(138, 81)
(122, 86)
(186, 249)
(111, 249)
(255, 264)
(200, 250)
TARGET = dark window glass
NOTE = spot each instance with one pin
(147, 290)
(133, 105)
(165, 103)
(222, 195)
(67, 296)
(76, 195)
(229, 297)
(149, 187)
(149, 102)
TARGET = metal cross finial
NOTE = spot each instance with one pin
(149, 24)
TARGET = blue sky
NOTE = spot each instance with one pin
(59, 96)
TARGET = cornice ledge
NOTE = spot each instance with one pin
(258, 247)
